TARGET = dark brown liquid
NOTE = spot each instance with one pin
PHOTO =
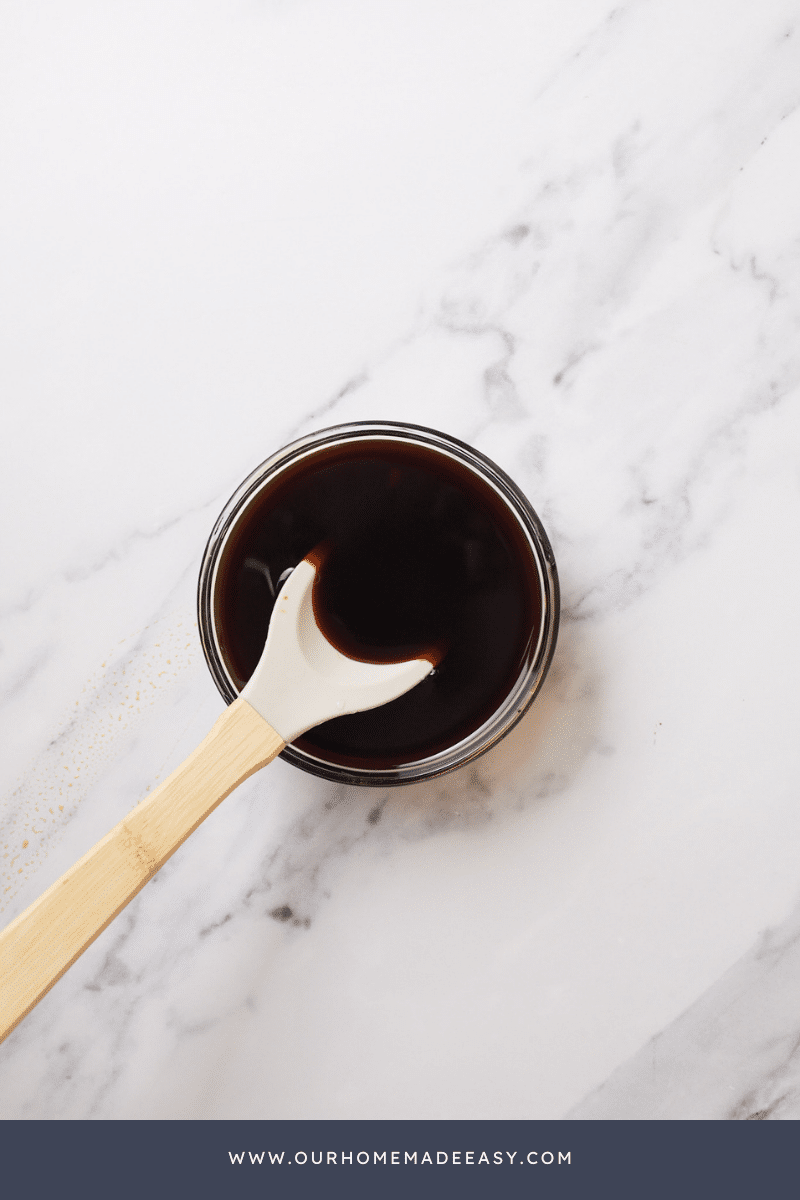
(421, 557)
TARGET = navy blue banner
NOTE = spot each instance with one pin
(354, 1159)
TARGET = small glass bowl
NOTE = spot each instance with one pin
(541, 643)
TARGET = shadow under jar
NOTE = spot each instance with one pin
(426, 543)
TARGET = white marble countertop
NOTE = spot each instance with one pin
(567, 234)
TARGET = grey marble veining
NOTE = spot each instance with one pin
(733, 1055)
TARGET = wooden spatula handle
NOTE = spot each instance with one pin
(43, 942)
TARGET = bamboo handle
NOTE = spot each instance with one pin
(44, 941)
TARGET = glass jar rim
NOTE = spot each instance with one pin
(541, 646)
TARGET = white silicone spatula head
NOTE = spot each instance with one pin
(302, 680)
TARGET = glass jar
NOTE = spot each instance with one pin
(315, 452)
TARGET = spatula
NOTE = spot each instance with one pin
(301, 680)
